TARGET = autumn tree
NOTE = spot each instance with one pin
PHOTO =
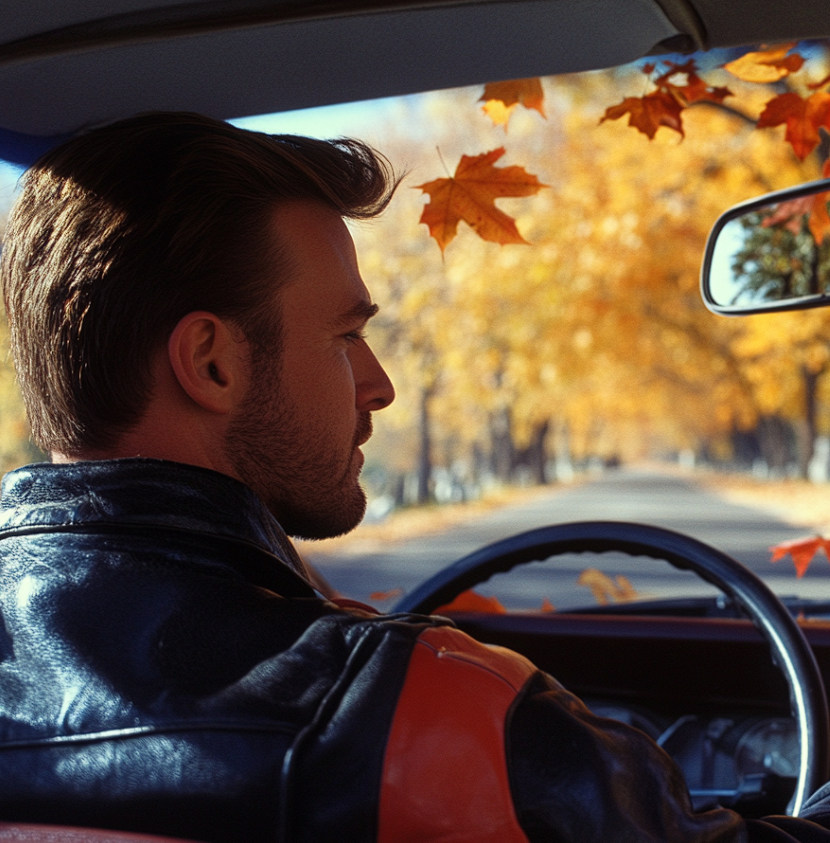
(526, 344)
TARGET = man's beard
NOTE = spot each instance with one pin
(309, 488)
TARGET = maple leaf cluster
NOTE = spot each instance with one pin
(803, 116)
(470, 194)
(664, 106)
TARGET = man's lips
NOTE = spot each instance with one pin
(364, 429)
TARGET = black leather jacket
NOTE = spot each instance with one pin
(166, 668)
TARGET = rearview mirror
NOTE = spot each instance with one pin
(771, 253)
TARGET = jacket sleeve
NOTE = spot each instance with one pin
(484, 747)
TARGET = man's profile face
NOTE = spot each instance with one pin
(295, 439)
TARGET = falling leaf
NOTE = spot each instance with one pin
(470, 196)
(500, 98)
(802, 552)
(664, 106)
(766, 65)
(606, 590)
(471, 601)
(803, 118)
(648, 113)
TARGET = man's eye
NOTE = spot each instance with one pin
(355, 336)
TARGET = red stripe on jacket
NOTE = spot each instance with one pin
(445, 771)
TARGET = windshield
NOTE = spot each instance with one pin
(575, 375)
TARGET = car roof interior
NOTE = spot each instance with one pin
(69, 65)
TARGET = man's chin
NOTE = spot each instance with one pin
(324, 521)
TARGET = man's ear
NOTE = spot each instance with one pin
(207, 356)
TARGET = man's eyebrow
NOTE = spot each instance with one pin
(363, 311)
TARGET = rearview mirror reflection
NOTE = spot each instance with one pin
(771, 253)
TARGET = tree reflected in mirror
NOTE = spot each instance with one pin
(771, 255)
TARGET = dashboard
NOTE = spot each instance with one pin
(706, 689)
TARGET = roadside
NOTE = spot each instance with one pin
(403, 524)
(798, 502)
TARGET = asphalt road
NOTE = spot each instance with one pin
(644, 496)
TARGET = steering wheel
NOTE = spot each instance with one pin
(790, 650)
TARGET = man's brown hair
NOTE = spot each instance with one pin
(122, 231)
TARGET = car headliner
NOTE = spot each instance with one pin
(67, 65)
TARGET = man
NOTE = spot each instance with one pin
(187, 319)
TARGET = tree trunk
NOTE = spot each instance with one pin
(425, 448)
(775, 437)
(806, 431)
(502, 449)
(535, 455)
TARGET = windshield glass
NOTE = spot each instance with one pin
(575, 375)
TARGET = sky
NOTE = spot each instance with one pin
(349, 118)
(8, 179)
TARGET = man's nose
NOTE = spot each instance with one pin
(373, 388)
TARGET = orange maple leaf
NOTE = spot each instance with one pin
(472, 601)
(802, 116)
(500, 98)
(802, 551)
(766, 65)
(664, 106)
(470, 195)
(790, 215)
(819, 219)
(648, 113)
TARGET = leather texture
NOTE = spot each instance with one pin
(165, 668)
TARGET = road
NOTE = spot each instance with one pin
(646, 496)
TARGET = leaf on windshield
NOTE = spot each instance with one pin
(471, 601)
(470, 195)
(802, 552)
(766, 65)
(500, 98)
(664, 106)
(606, 590)
(803, 117)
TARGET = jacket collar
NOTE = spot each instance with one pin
(138, 493)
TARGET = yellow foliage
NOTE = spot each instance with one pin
(598, 330)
